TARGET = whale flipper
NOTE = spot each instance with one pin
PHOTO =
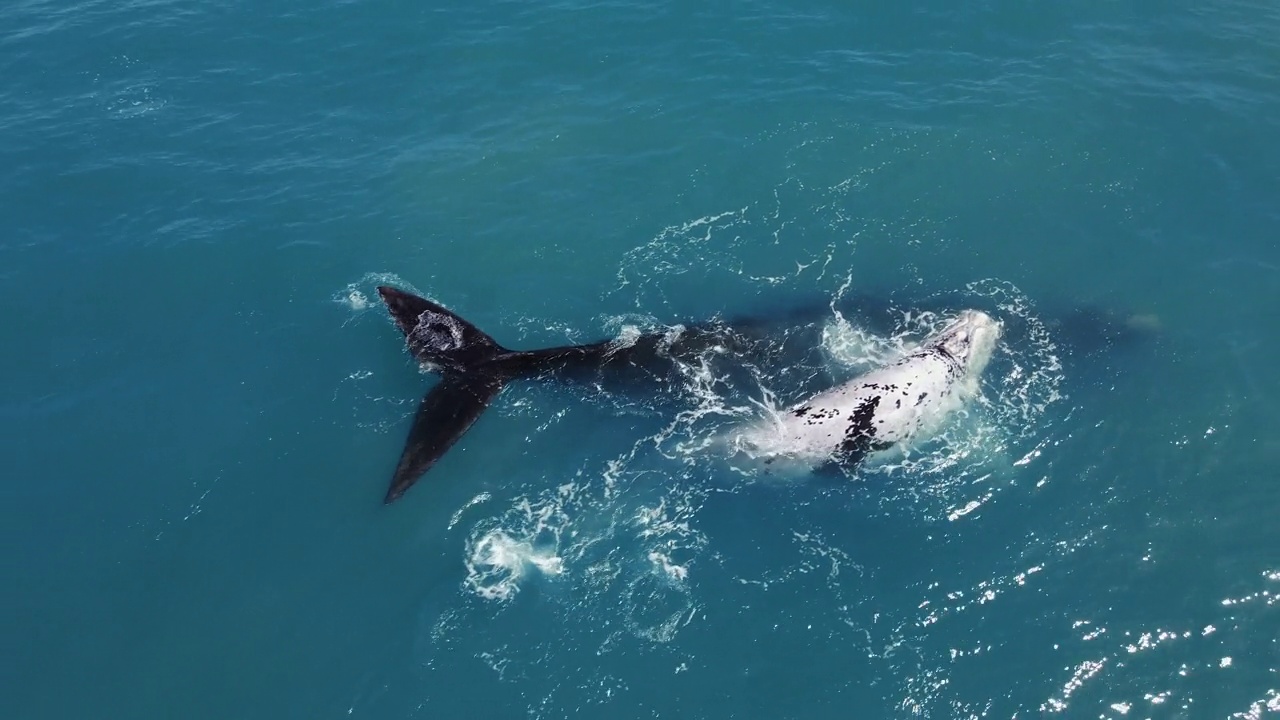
(446, 413)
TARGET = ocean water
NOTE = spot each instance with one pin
(202, 400)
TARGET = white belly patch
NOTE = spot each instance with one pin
(869, 413)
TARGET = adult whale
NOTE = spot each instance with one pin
(840, 425)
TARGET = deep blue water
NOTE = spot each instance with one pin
(202, 401)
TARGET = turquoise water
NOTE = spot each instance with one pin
(202, 401)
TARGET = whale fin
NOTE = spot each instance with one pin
(436, 334)
(446, 413)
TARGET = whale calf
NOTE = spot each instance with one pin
(892, 404)
(840, 425)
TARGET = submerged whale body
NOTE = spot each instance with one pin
(840, 425)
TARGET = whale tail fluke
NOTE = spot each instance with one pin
(445, 414)
(474, 369)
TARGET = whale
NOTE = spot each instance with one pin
(892, 405)
(474, 368)
(837, 426)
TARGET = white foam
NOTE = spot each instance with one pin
(671, 570)
(357, 300)
(355, 296)
(854, 347)
(498, 562)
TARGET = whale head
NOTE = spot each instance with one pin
(970, 340)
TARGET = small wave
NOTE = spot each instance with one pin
(134, 101)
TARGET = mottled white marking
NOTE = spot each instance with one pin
(438, 332)
(892, 404)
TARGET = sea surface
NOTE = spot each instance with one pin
(202, 399)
